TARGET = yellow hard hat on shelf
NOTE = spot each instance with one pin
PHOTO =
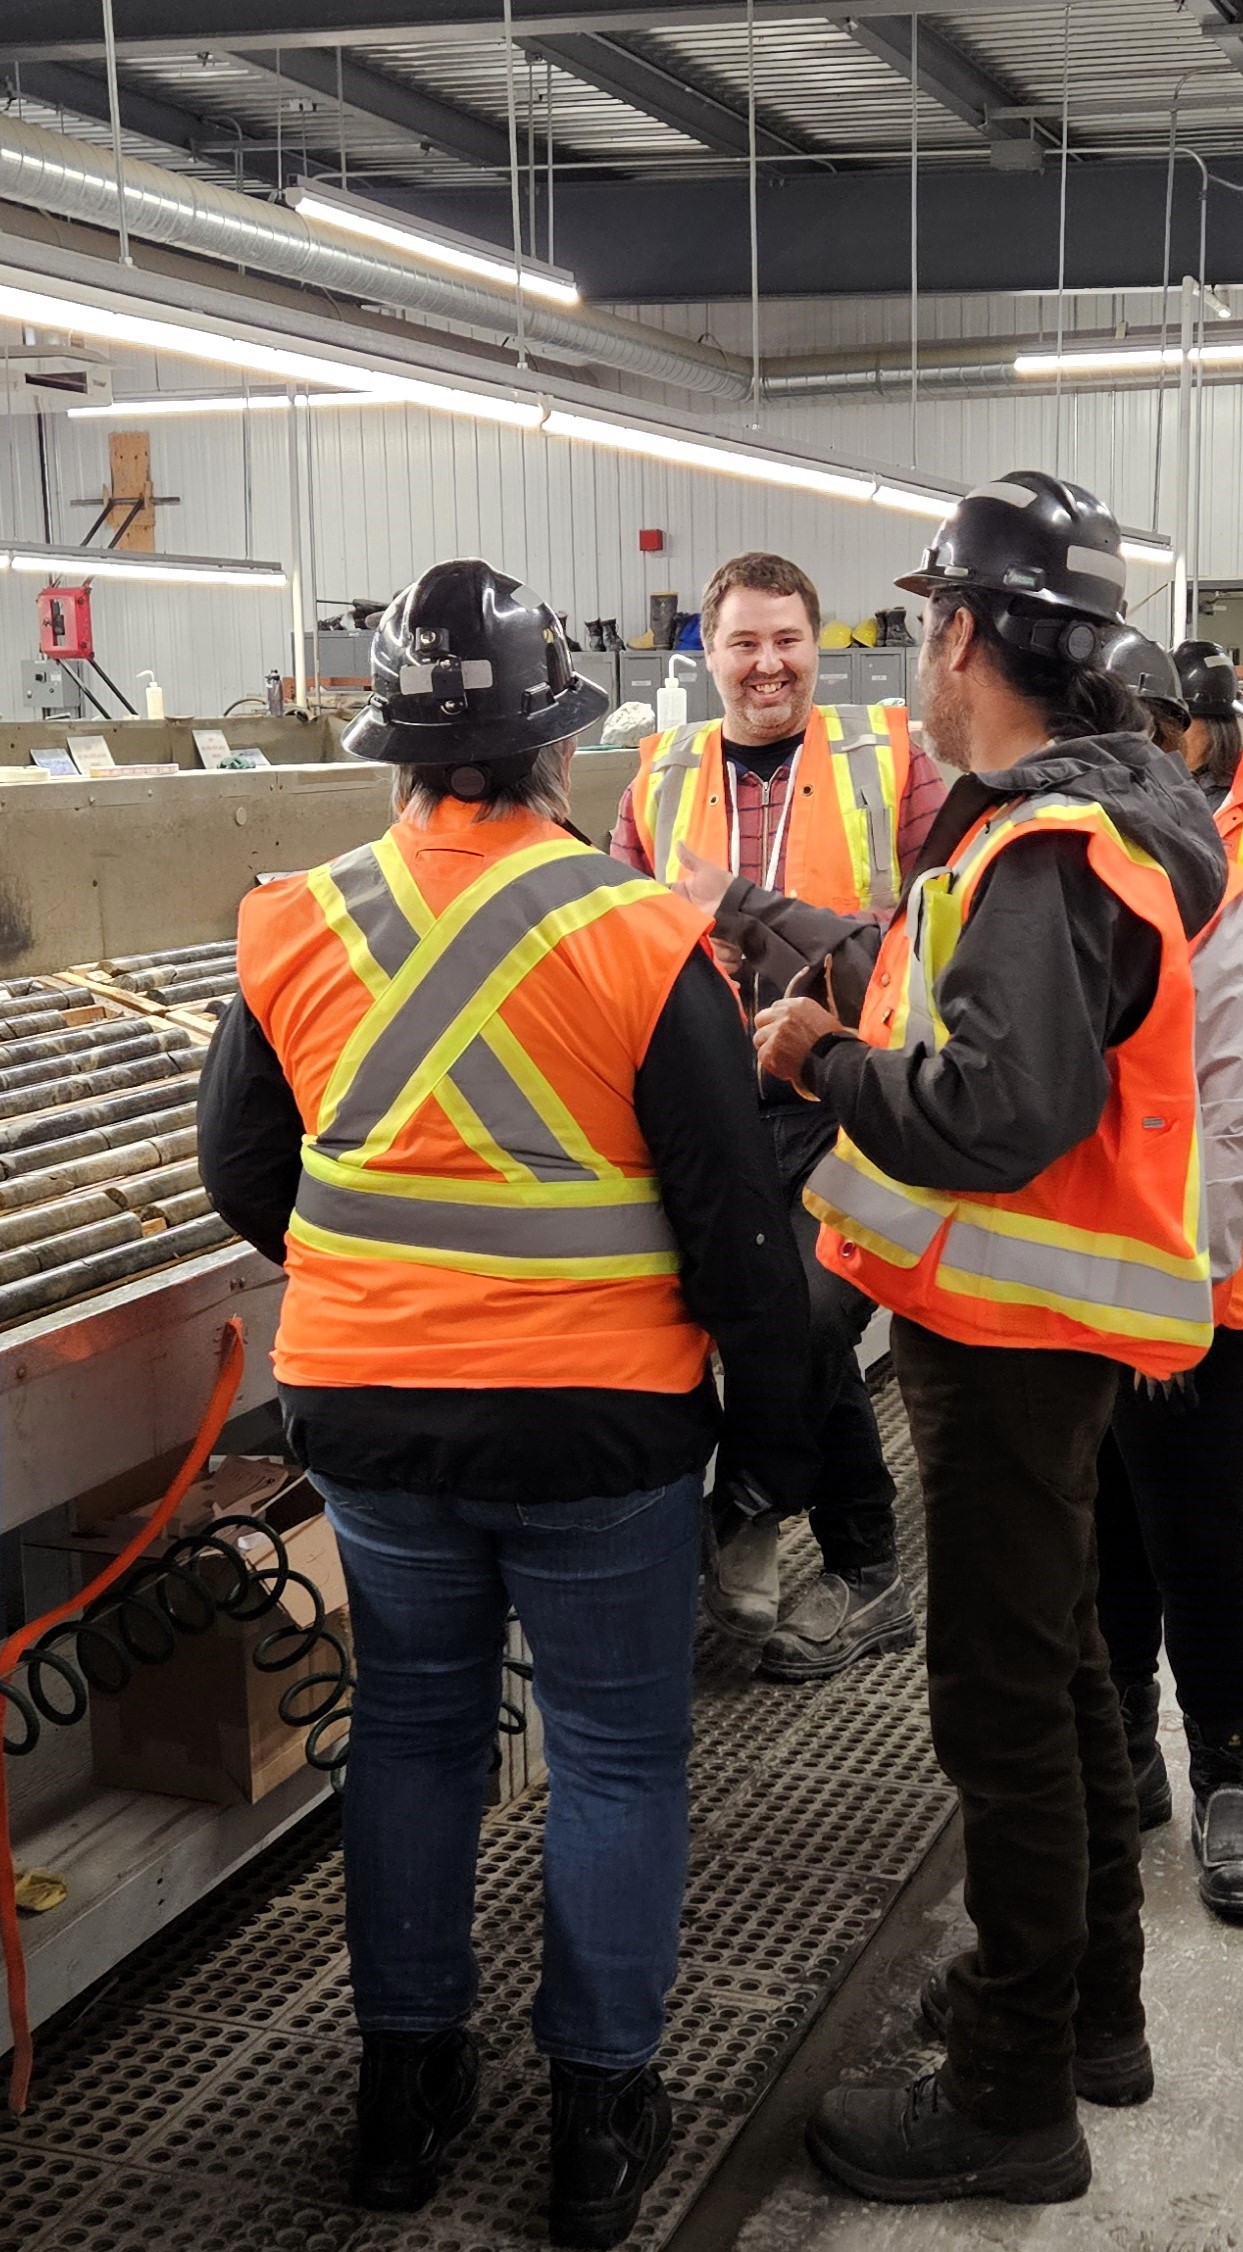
(867, 633)
(834, 635)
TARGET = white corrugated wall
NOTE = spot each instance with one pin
(395, 490)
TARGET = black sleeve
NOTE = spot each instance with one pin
(1051, 970)
(780, 936)
(250, 1133)
(696, 1100)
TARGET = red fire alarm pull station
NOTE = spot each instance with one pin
(651, 542)
(65, 622)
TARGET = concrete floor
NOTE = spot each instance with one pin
(1167, 2177)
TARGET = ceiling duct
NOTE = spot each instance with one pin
(52, 172)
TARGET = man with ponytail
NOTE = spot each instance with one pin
(1016, 1175)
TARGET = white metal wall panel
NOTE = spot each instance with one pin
(395, 491)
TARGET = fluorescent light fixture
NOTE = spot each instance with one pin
(226, 402)
(698, 453)
(157, 333)
(914, 502)
(423, 239)
(1139, 550)
(177, 570)
(1125, 359)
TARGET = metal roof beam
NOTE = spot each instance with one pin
(650, 87)
(945, 75)
(441, 125)
(149, 28)
(84, 93)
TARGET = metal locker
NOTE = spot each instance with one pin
(881, 674)
(602, 668)
(836, 681)
(642, 671)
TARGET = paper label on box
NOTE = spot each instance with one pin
(212, 745)
(90, 754)
(54, 762)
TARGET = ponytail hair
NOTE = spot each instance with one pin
(1075, 699)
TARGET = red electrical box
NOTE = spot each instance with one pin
(65, 622)
(651, 543)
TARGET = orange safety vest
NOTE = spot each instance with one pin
(477, 1204)
(1228, 1294)
(850, 781)
(1229, 817)
(1106, 1250)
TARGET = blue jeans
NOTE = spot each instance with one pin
(606, 1591)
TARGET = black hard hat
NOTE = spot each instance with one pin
(1148, 670)
(470, 668)
(1210, 684)
(1052, 547)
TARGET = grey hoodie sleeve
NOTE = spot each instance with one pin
(1218, 971)
(1051, 970)
(779, 936)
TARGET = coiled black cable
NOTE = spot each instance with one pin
(201, 1578)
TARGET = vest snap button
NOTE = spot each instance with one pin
(849, 1250)
(885, 978)
(759, 1239)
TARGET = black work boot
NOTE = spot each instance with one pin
(611, 2134)
(860, 1612)
(416, 2094)
(1217, 1819)
(1141, 1707)
(595, 636)
(1111, 2067)
(912, 2146)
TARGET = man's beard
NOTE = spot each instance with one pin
(945, 725)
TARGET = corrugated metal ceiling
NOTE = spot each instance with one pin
(1128, 59)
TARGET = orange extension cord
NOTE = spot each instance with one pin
(232, 1361)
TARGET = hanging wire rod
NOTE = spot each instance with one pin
(757, 372)
(114, 119)
(914, 238)
(515, 187)
(1061, 243)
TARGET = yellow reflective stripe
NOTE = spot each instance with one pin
(476, 1135)
(425, 957)
(645, 794)
(1090, 1312)
(402, 885)
(854, 823)
(531, 948)
(889, 784)
(853, 1231)
(448, 1188)
(336, 914)
(545, 1101)
(507, 1049)
(612, 1269)
(998, 1219)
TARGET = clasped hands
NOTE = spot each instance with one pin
(786, 1031)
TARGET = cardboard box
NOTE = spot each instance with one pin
(205, 1723)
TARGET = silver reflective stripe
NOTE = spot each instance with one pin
(1018, 496)
(1090, 1278)
(361, 883)
(453, 982)
(510, 1118)
(519, 1231)
(668, 774)
(921, 1031)
(496, 1099)
(863, 766)
(883, 1211)
(1090, 563)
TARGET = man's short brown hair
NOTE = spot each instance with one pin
(762, 574)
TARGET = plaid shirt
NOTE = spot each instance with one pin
(760, 806)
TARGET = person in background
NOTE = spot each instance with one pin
(830, 805)
(1016, 1177)
(1210, 687)
(1169, 1512)
(487, 1099)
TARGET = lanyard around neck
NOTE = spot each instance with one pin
(731, 786)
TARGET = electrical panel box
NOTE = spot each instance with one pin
(65, 622)
(49, 691)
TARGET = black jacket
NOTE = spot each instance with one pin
(1050, 972)
(741, 1277)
